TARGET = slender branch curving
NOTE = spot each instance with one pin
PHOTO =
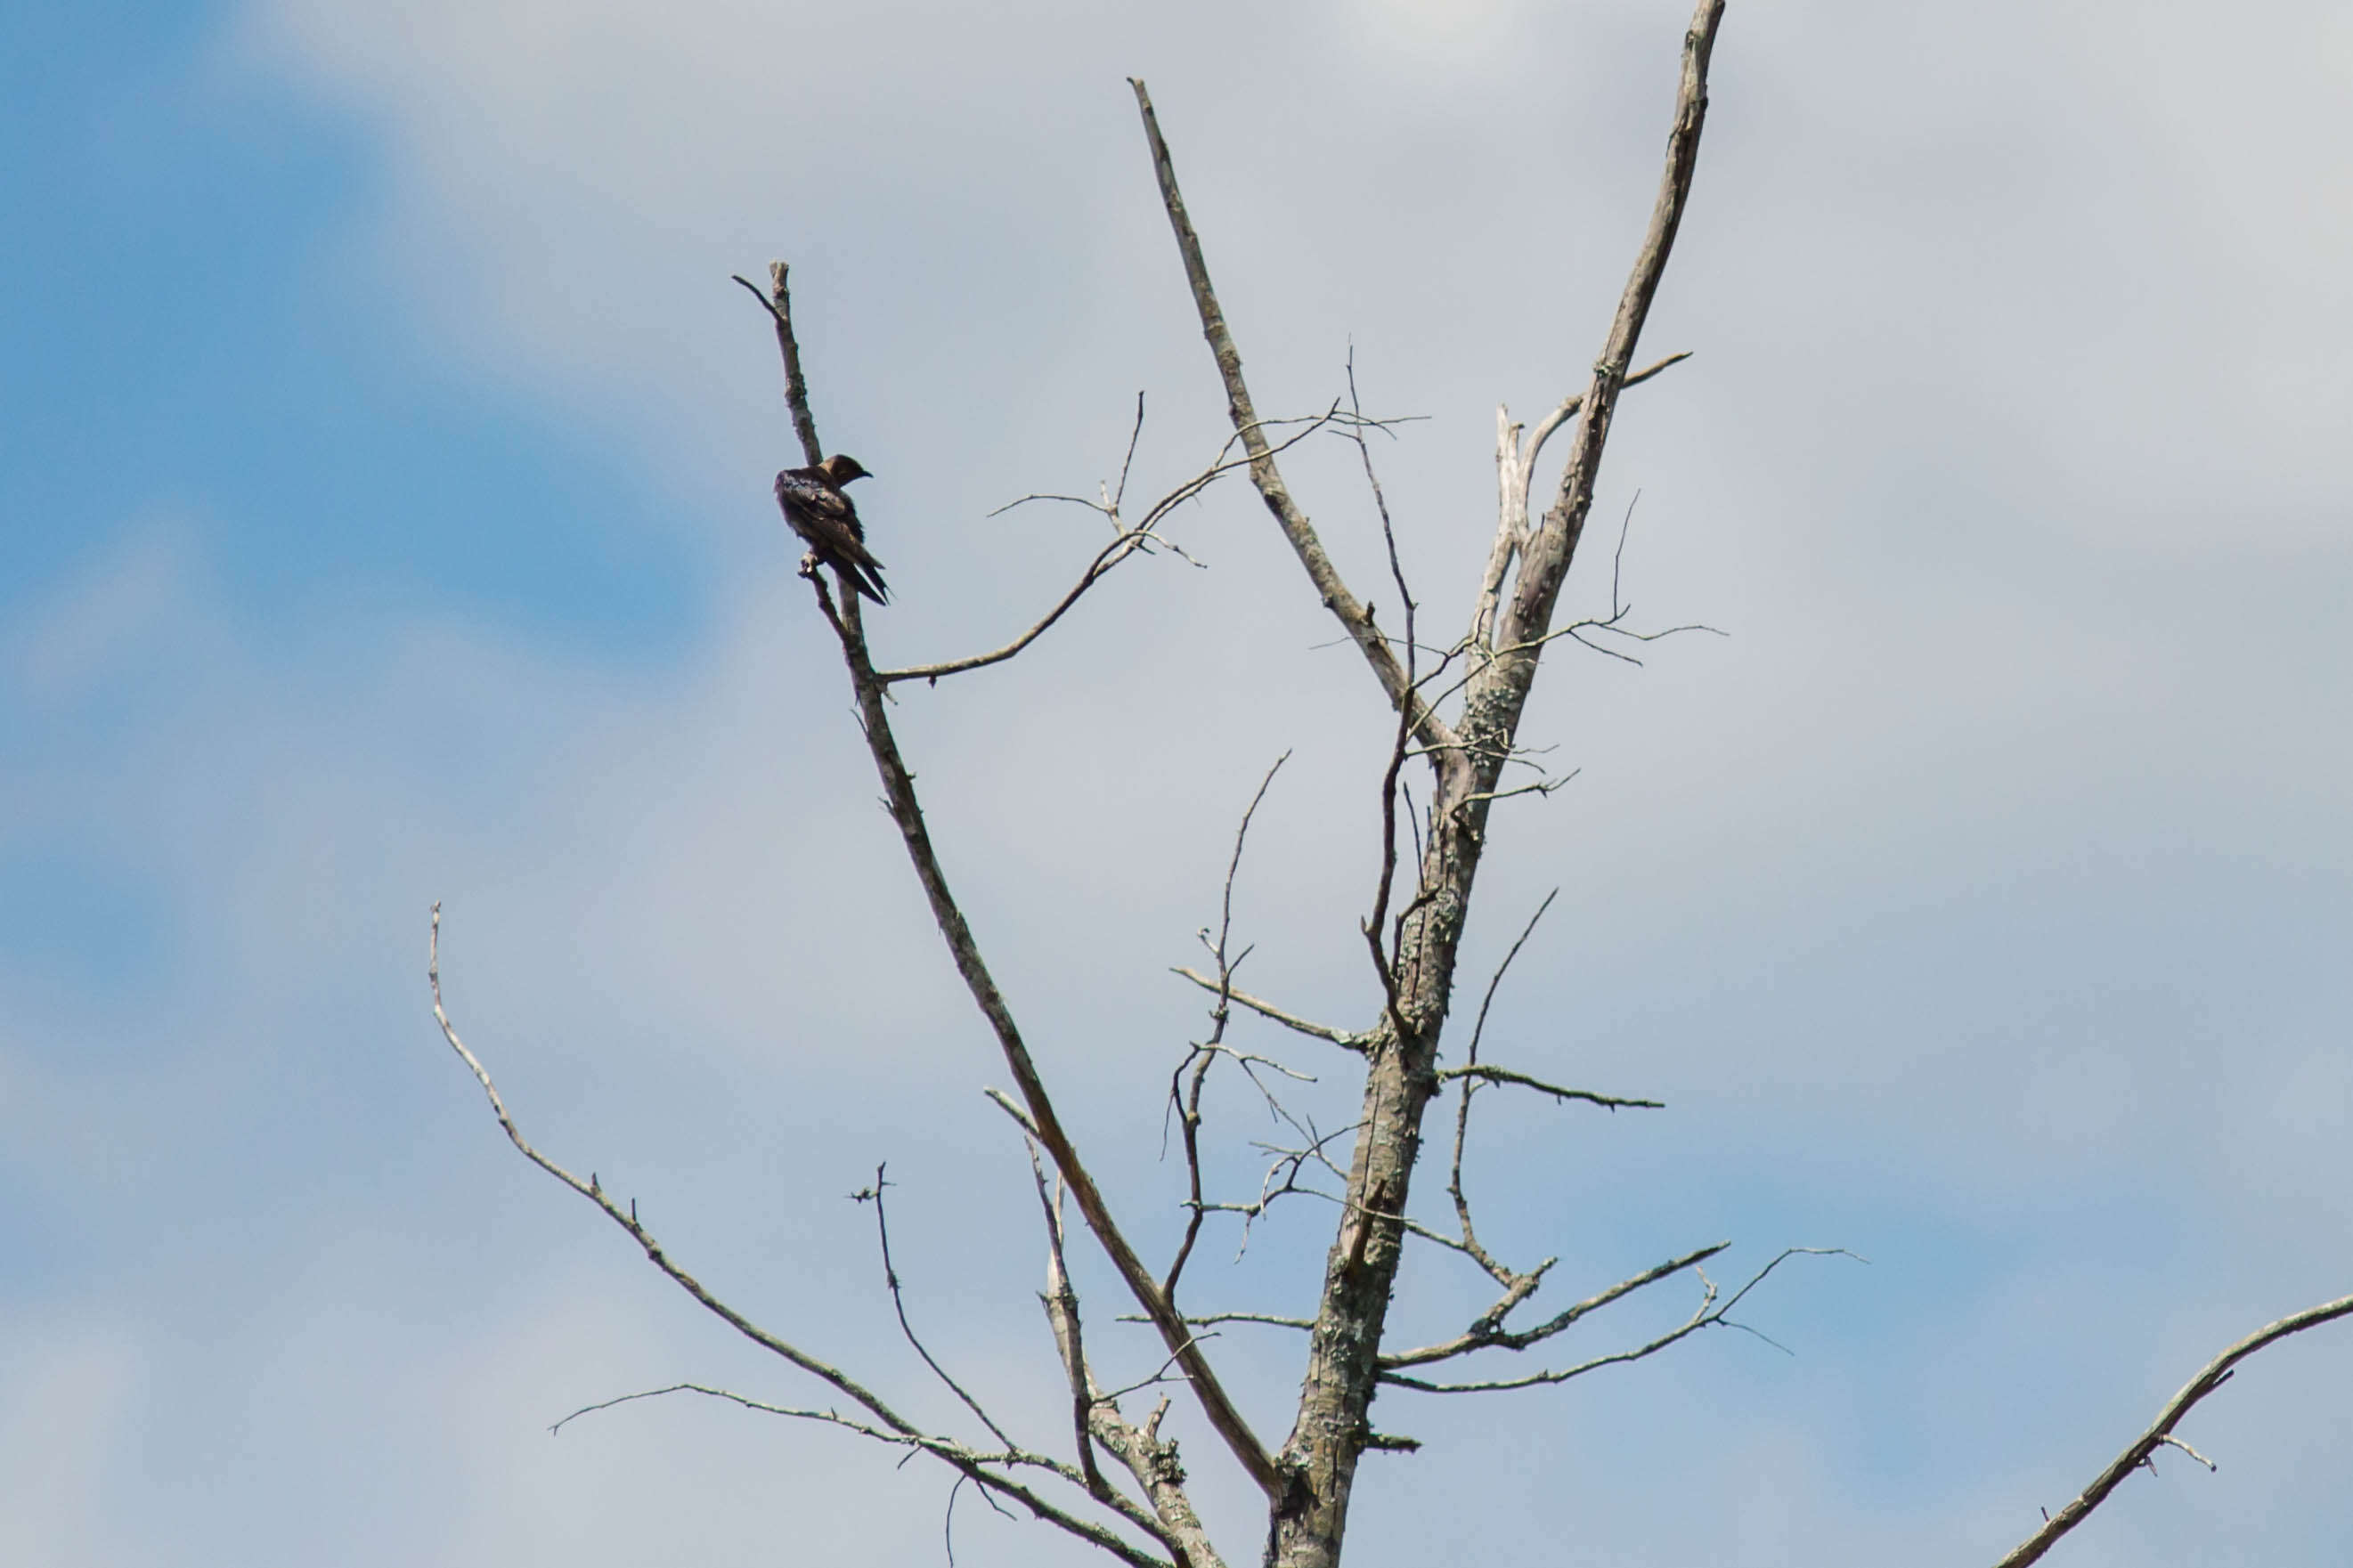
(899, 1305)
(2159, 1434)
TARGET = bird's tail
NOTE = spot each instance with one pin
(866, 578)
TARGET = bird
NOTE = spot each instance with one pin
(825, 518)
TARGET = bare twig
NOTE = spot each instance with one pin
(1126, 544)
(1201, 1058)
(1488, 1074)
(2215, 1373)
(1385, 964)
(1462, 1106)
(1209, 1320)
(1143, 538)
(1134, 434)
(778, 302)
(899, 1305)
(1265, 1009)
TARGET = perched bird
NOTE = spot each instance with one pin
(825, 518)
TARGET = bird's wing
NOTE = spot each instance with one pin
(823, 515)
(829, 520)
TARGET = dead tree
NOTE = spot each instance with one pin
(1458, 707)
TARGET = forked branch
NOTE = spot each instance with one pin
(888, 1425)
(1710, 1313)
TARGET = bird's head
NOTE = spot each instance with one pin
(840, 469)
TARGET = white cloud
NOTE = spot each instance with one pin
(63, 1439)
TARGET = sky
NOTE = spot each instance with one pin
(385, 521)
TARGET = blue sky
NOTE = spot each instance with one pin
(386, 521)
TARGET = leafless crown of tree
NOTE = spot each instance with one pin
(1458, 708)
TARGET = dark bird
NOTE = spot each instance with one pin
(825, 518)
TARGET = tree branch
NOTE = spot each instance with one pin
(1707, 1316)
(1487, 1332)
(1096, 1415)
(1142, 539)
(1264, 1009)
(1547, 556)
(778, 301)
(1110, 556)
(1552, 422)
(2214, 1375)
(1488, 1074)
(1523, 1283)
(1061, 1300)
(1353, 617)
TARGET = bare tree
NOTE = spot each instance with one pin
(1459, 706)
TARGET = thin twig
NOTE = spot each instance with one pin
(1142, 539)
(1568, 411)
(1202, 1056)
(1265, 1009)
(778, 302)
(1470, 1089)
(1489, 1074)
(1386, 965)
(899, 1305)
(1128, 543)
(1210, 1320)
